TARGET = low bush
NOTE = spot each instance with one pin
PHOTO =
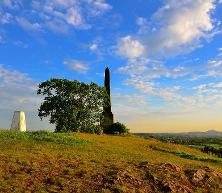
(116, 128)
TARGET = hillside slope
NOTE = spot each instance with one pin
(49, 162)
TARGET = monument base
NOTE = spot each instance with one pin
(108, 119)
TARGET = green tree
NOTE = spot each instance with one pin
(72, 105)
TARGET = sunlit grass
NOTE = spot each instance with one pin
(48, 159)
(41, 136)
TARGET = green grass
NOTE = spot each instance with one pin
(42, 136)
(75, 162)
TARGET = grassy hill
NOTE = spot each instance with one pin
(50, 162)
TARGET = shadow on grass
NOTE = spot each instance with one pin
(189, 156)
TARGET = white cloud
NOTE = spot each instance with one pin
(213, 67)
(204, 96)
(208, 95)
(97, 7)
(134, 99)
(20, 44)
(57, 26)
(11, 76)
(129, 106)
(17, 90)
(140, 21)
(220, 52)
(218, 85)
(208, 87)
(65, 12)
(93, 47)
(151, 88)
(98, 48)
(152, 69)
(56, 15)
(12, 4)
(76, 65)
(147, 76)
(130, 47)
(101, 4)
(143, 25)
(145, 86)
(25, 24)
(5, 17)
(69, 13)
(215, 63)
(74, 17)
(177, 27)
(169, 94)
(8, 3)
(1, 39)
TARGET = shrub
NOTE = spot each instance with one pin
(116, 128)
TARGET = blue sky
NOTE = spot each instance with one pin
(165, 58)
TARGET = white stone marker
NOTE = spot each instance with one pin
(18, 121)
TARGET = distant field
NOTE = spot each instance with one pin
(75, 162)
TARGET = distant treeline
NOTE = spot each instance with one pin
(184, 139)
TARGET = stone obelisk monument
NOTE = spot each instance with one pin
(107, 112)
(18, 121)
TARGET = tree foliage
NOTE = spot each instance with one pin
(72, 105)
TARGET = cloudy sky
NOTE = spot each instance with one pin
(165, 58)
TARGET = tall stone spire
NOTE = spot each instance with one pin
(107, 112)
